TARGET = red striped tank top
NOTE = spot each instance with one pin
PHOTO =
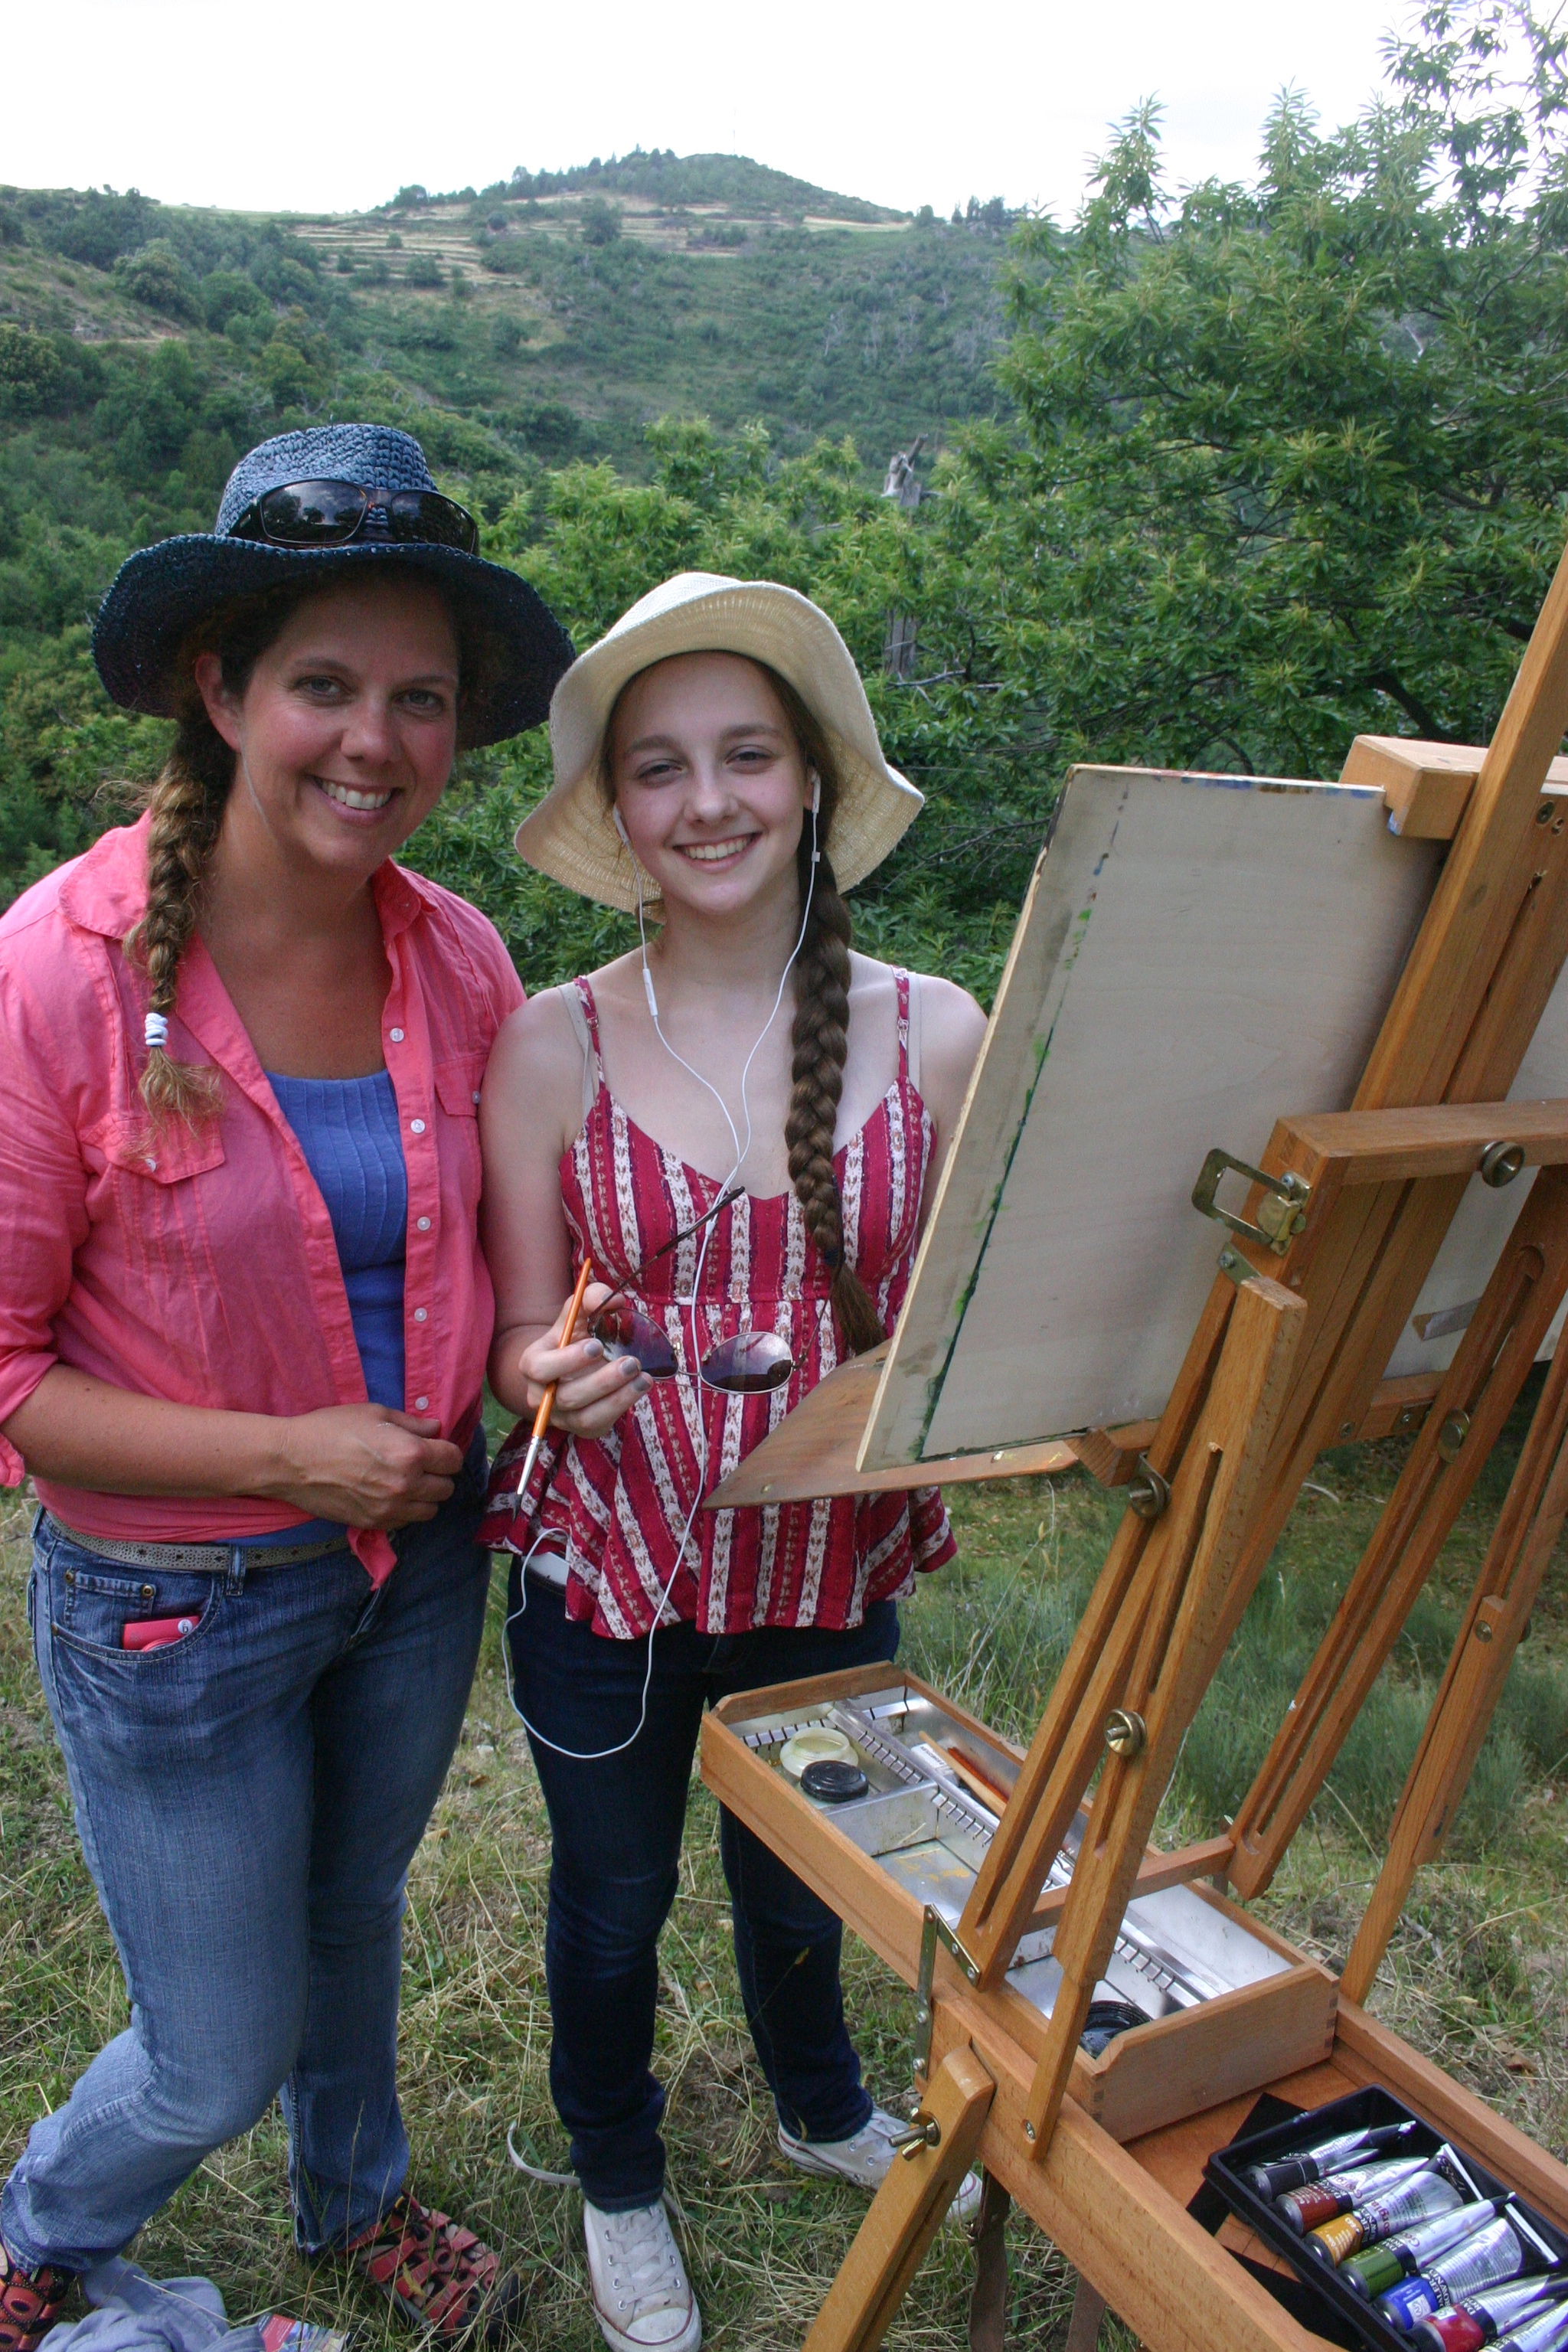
(616, 1505)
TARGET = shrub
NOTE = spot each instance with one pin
(155, 275)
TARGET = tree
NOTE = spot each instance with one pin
(1292, 456)
(598, 222)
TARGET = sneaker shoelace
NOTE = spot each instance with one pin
(645, 2268)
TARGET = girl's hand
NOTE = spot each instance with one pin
(593, 1390)
(364, 1464)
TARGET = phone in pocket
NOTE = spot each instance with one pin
(153, 1632)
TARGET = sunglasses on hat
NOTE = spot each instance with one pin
(329, 514)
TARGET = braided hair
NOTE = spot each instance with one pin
(186, 805)
(820, 1036)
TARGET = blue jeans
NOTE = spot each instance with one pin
(248, 1801)
(616, 1828)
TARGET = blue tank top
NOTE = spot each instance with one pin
(349, 1132)
(352, 1142)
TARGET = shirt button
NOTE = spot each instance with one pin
(417, 1126)
(396, 1036)
(419, 1314)
(420, 1403)
(423, 1224)
(475, 1094)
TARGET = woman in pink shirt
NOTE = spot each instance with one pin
(242, 1327)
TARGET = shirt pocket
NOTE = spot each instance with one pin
(458, 1083)
(169, 1156)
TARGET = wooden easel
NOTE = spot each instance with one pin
(1317, 1280)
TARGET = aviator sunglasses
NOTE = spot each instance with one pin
(329, 514)
(749, 1364)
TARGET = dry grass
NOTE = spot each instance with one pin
(1477, 1977)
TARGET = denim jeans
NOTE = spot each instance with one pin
(248, 1801)
(616, 1828)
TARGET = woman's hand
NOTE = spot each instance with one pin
(364, 1464)
(594, 1390)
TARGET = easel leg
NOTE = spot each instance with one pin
(906, 2214)
(1505, 1593)
(1088, 2311)
(1477, 1396)
(988, 2302)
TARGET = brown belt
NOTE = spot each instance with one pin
(197, 1559)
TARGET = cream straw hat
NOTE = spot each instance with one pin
(571, 836)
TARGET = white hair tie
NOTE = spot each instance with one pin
(156, 1030)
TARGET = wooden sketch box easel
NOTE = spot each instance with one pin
(1323, 1279)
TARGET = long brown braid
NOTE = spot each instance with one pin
(186, 805)
(820, 1036)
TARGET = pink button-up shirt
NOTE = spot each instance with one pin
(199, 1265)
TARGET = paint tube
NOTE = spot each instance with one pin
(1484, 2316)
(1547, 2334)
(1493, 2254)
(1308, 2209)
(1422, 2198)
(1316, 2163)
(1385, 2264)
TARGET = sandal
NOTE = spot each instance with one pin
(30, 2303)
(436, 2274)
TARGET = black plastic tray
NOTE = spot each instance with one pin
(1226, 2167)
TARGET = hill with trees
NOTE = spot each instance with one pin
(1243, 470)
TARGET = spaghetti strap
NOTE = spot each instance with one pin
(591, 1020)
(902, 983)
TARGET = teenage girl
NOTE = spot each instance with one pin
(741, 1124)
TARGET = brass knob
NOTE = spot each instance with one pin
(1451, 1436)
(1501, 1163)
(924, 2132)
(1125, 1733)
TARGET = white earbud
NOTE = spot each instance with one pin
(815, 793)
(619, 822)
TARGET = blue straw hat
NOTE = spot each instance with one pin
(161, 593)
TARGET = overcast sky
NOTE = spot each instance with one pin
(332, 104)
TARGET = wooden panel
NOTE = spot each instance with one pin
(1424, 786)
(1218, 2053)
(813, 1450)
(1386, 1147)
(1163, 994)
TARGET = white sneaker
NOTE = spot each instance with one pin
(868, 2158)
(642, 2297)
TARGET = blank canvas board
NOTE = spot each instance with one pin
(1198, 956)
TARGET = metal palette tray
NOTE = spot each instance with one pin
(925, 1822)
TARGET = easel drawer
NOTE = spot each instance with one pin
(1196, 2057)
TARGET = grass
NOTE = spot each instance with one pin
(1477, 1976)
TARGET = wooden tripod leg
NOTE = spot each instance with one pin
(906, 2214)
(1505, 1593)
(1181, 1641)
(1475, 1400)
(988, 2302)
(1088, 2311)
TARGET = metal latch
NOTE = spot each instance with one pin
(1280, 1216)
(935, 1930)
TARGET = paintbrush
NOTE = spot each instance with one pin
(547, 1402)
